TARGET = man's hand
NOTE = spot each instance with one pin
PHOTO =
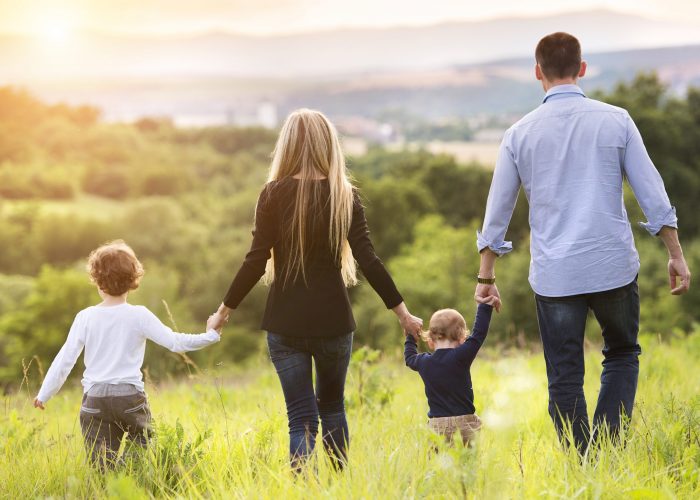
(38, 404)
(491, 300)
(678, 268)
(485, 294)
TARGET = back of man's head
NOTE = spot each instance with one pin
(559, 56)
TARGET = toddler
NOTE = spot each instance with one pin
(113, 334)
(445, 372)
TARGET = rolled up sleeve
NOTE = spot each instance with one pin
(646, 183)
(501, 202)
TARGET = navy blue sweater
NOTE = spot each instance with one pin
(445, 372)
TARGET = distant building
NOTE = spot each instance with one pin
(366, 128)
(267, 114)
(489, 135)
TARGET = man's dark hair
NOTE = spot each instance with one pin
(559, 56)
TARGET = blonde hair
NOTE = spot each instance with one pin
(308, 148)
(114, 268)
(446, 324)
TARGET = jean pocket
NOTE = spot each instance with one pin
(90, 411)
(278, 348)
(136, 408)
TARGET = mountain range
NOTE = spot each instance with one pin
(450, 69)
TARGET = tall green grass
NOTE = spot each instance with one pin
(225, 436)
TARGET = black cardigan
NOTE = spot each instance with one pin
(321, 306)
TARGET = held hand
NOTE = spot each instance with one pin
(678, 268)
(38, 404)
(217, 321)
(411, 325)
(491, 300)
(485, 293)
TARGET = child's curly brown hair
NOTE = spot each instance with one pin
(114, 268)
(446, 324)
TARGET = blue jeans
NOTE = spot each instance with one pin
(562, 322)
(292, 357)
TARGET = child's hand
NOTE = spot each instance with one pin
(38, 404)
(492, 301)
(414, 335)
(215, 323)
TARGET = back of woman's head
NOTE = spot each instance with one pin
(308, 149)
(307, 146)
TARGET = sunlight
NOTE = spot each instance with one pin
(55, 28)
(56, 33)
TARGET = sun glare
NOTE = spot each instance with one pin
(55, 28)
(56, 33)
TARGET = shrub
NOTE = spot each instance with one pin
(108, 183)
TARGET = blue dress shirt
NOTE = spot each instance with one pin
(571, 155)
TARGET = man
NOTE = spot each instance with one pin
(571, 155)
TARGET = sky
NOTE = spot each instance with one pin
(57, 19)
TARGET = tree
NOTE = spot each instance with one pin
(41, 325)
(670, 127)
(392, 209)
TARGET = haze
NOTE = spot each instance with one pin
(57, 19)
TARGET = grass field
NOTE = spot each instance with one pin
(224, 436)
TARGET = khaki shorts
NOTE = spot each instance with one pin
(467, 425)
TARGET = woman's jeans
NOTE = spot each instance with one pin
(562, 322)
(292, 357)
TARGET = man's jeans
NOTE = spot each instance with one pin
(562, 322)
(292, 357)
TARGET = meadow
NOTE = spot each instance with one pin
(222, 433)
(184, 199)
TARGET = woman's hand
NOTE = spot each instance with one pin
(217, 320)
(411, 324)
(38, 404)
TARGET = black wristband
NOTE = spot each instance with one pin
(486, 281)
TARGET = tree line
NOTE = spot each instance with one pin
(184, 199)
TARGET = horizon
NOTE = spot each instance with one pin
(219, 74)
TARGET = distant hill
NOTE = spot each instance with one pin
(452, 69)
(326, 53)
(492, 88)
(498, 87)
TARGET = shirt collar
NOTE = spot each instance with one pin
(567, 90)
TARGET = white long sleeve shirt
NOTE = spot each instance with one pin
(114, 339)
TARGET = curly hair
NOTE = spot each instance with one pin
(446, 324)
(114, 268)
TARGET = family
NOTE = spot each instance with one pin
(570, 155)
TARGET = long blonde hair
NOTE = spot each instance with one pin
(308, 148)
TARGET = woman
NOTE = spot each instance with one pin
(310, 228)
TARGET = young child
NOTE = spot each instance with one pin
(445, 372)
(113, 334)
